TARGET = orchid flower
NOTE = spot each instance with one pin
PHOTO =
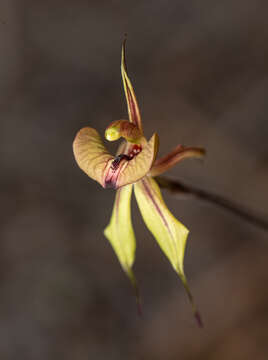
(135, 165)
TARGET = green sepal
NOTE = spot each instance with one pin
(132, 104)
(170, 234)
(120, 234)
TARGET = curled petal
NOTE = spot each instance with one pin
(170, 234)
(135, 169)
(120, 233)
(93, 158)
(91, 155)
(176, 155)
(132, 104)
(125, 129)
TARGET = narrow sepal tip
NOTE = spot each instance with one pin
(196, 313)
(134, 283)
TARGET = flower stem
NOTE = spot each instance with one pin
(177, 187)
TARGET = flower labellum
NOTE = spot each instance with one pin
(134, 166)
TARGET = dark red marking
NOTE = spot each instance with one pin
(118, 159)
(135, 150)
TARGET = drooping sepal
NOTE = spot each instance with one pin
(120, 234)
(91, 155)
(132, 104)
(178, 154)
(170, 234)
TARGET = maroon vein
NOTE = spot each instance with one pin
(148, 192)
(133, 112)
(150, 195)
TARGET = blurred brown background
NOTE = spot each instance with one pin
(200, 70)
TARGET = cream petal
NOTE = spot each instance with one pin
(91, 155)
(140, 165)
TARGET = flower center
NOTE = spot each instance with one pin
(118, 159)
(134, 150)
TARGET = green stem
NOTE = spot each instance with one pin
(177, 187)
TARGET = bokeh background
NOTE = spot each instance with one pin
(200, 71)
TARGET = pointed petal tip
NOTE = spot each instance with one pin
(196, 313)
(123, 48)
(156, 140)
(132, 104)
(134, 283)
(178, 154)
(199, 319)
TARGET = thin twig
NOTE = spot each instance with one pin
(177, 187)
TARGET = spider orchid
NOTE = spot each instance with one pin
(135, 165)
